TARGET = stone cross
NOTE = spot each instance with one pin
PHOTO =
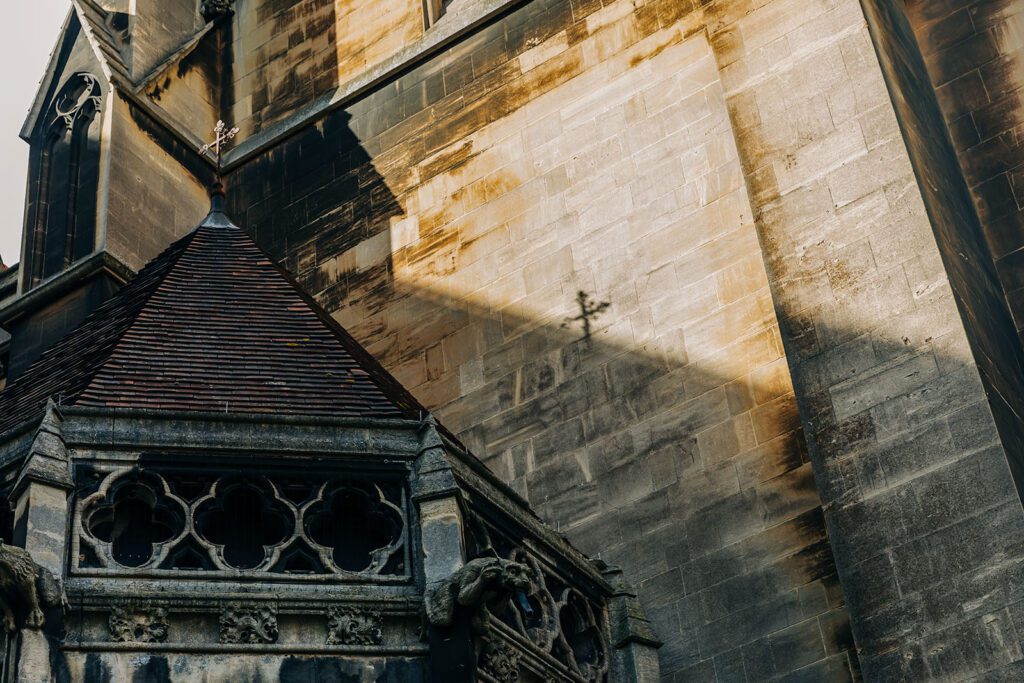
(589, 310)
(221, 135)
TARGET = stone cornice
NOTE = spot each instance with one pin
(64, 282)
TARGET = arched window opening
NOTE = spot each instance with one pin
(134, 517)
(358, 524)
(67, 177)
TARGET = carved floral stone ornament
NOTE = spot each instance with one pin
(80, 96)
(138, 622)
(500, 661)
(242, 624)
(353, 626)
(25, 589)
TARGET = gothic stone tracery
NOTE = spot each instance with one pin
(60, 229)
(141, 519)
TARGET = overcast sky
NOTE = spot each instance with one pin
(27, 36)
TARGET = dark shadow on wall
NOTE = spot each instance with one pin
(973, 57)
(297, 65)
(688, 468)
(691, 475)
(959, 232)
(689, 471)
(919, 485)
(316, 196)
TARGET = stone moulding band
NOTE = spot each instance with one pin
(268, 648)
(269, 577)
(312, 605)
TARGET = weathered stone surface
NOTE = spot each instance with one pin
(968, 50)
(884, 351)
(795, 287)
(598, 159)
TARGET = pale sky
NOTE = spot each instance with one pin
(27, 36)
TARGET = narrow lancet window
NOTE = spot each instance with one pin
(63, 217)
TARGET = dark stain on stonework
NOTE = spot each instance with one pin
(212, 58)
(296, 670)
(336, 670)
(58, 658)
(159, 89)
(317, 195)
(180, 152)
(96, 670)
(155, 670)
(297, 78)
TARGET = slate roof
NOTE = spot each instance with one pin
(210, 325)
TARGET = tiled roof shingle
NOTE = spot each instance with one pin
(210, 325)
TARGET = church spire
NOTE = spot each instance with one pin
(217, 218)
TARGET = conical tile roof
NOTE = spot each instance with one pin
(210, 325)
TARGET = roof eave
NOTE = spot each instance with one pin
(63, 282)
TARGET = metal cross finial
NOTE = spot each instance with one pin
(221, 135)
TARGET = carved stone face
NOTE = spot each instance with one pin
(516, 576)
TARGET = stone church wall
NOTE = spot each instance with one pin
(974, 52)
(159, 28)
(451, 218)
(867, 231)
(288, 54)
(147, 186)
(189, 92)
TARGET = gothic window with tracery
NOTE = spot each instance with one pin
(233, 522)
(62, 216)
(133, 518)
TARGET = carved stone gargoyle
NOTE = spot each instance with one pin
(213, 9)
(482, 586)
(25, 588)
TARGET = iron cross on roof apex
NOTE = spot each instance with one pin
(221, 135)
